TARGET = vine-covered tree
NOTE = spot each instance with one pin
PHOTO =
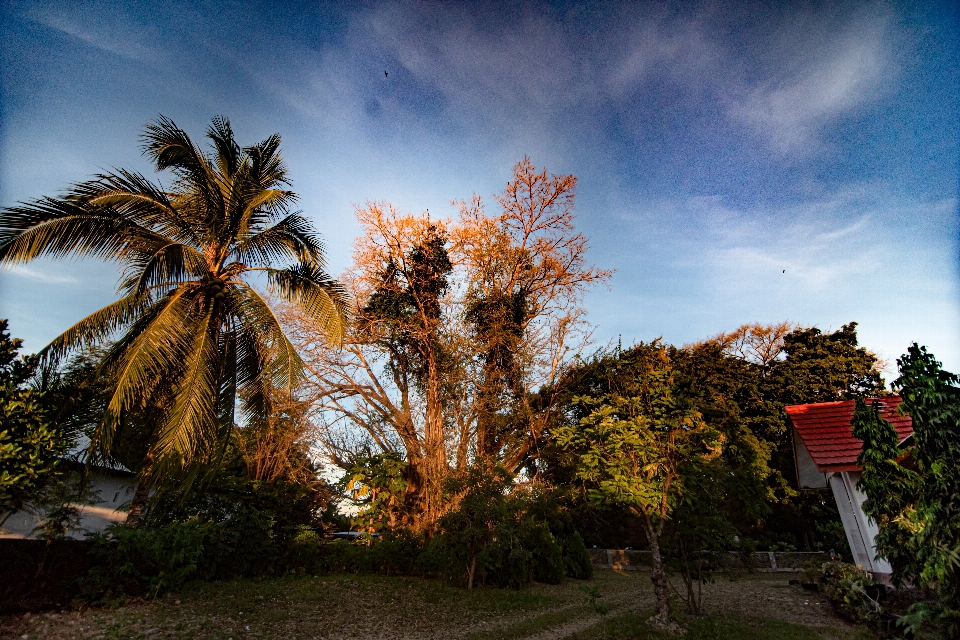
(456, 324)
(189, 321)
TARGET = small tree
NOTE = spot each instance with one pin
(484, 505)
(634, 448)
(913, 493)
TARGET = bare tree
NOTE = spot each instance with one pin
(456, 325)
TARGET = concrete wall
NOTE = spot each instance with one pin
(114, 492)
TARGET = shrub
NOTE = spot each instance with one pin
(153, 560)
(546, 556)
(852, 591)
(576, 558)
(506, 563)
(145, 561)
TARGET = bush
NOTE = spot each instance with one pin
(546, 556)
(576, 558)
(852, 591)
(149, 561)
(506, 563)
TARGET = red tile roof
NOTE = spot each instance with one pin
(827, 432)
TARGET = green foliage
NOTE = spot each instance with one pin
(631, 447)
(824, 367)
(31, 446)
(152, 560)
(547, 556)
(576, 558)
(851, 589)
(912, 492)
(488, 534)
(377, 484)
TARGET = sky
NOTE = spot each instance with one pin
(737, 162)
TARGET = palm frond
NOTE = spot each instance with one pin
(228, 156)
(59, 228)
(190, 425)
(97, 327)
(152, 349)
(292, 238)
(169, 266)
(318, 295)
(259, 208)
(265, 354)
(135, 197)
(171, 148)
(267, 168)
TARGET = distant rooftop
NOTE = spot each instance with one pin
(827, 431)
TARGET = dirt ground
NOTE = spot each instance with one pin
(345, 607)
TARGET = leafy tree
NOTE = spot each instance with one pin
(912, 493)
(634, 448)
(377, 484)
(786, 364)
(192, 325)
(821, 367)
(31, 446)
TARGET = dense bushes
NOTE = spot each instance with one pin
(150, 561)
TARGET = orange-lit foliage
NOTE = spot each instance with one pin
(457, 323)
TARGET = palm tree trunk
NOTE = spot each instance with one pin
(140, 495)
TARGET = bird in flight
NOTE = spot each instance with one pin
(386, 75)
(784, 270)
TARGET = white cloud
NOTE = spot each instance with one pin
(40, 276)
(842, 67)
(105, 28)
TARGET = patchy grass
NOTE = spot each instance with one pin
(633, 626)
(530, 626)
(347, 606)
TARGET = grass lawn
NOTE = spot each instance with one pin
(397, 607)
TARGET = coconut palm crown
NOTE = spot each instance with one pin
(190, 324)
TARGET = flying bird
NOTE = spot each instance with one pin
(784, 270)
(385, 74)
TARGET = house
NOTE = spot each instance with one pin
(112, 484)
(825, 453)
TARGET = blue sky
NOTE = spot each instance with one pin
(737, 162)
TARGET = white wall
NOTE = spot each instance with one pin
(113, 491)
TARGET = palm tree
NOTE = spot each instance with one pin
(192, 328)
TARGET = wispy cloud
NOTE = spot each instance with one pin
(105, 28)
(841, 66)
(40, 276)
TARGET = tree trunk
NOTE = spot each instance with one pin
(471, 571)
(661, 589)
(135, 515)
(693, 600)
